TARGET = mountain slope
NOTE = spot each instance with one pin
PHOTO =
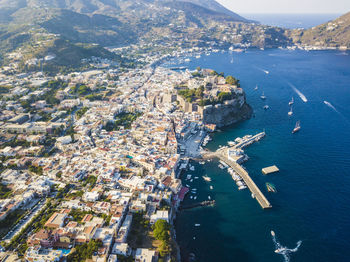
(215, 6)
(331, 34)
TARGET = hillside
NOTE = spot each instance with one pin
(25, 24)
(335, 33)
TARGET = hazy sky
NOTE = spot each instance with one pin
(287, 6)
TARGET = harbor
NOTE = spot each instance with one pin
(224, 154)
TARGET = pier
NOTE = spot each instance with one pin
(222, 154)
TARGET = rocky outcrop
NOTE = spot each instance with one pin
(226, 114)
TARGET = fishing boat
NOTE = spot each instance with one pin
(263, 97)
(297, 127)
(266, 107)
(271, 188)
(291, 102)
(206, 178)
(290, 111)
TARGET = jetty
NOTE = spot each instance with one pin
(200, 204)
(223, 155)
(269, 170)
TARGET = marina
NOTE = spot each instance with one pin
(222, 154)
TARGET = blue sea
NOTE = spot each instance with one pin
(312, 203)
(292, 21)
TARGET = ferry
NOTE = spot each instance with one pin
(263, 97)
(271, 188)
(291, 111)
(297, 127)
(206, 178)
(291, 102)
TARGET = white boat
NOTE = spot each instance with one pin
(191, 197)
(187, 186)
(263, 97)
(290, 111)
(209, 197)
(256, 87)
(192, 168)
(191, 180)
(188, 177)
(206, 178)
(291, 102)
(211, 187)
(197, 225)
(266, 107)
(297, 127)
(242, 187)
(195, 198)
(196, 177)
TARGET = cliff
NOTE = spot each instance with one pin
(226, 114)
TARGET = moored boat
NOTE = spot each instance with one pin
(271, 188)
(297, 127)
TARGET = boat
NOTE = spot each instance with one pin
(242, 187)
(232, 60)
(263, 97)
(272, 233)
(197, 225)
(280, 250)
(266, 107)
(192, 168)
(291, 102)
(195, 198)
(209, 197)
(206, 178)
(291, 111)
(191, 197)
(297, 127)
(256, 87)
(271, 188)
(211, 187)
(253, 195)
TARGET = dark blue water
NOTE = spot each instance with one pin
(292, 21)
(313, 199)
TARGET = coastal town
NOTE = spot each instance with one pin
(91, 161)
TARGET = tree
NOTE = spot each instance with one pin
(161, 230)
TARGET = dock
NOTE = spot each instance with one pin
(259, 196)
(223, 156)
(269, 170)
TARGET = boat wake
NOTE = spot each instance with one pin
(284, 251)
(331, 106)
(262, 70)
(300, 94)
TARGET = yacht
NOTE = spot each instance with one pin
(297, 127)
(291, 102)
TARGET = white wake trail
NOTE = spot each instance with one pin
(300, 94)
(331, 106)
(284, 251)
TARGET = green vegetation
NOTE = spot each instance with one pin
(161, 232)
(192, 94)
(139, 230)
(12, 219)
(85, 251)
(78, 214)
(91, 180)
(5, 192)
(122, 120)
(81, 90)
(36, 169)
(232, 81)
(81, 112)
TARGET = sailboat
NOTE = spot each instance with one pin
(263, 97)
(256, 88)
(290, 111)
(291, 102)
(297, 127)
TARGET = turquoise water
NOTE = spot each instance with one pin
(313, 199)
(64, 251)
